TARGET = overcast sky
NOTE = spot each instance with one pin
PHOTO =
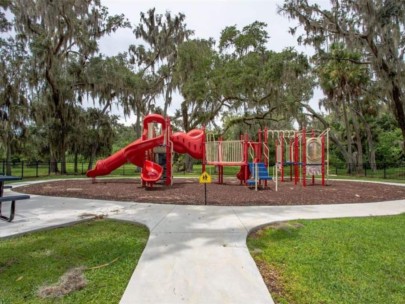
(207, 18)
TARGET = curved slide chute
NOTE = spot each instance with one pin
(134, 153)
(190, 143)
(106, 166)
(151, 172)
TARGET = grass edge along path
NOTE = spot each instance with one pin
(105, 251)
(351, 260)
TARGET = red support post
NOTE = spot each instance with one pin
(204, 160)
(220, 149)
(246, 156)
(260, 147)
(282, 156)
(304, 157)
(221, 174)
(291, 159)
(323, 159)
(313, 175)
(295, 162)
(169, 164)
(266, 142)
(276, 160)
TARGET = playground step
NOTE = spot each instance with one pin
(252, 181)
(263, 174)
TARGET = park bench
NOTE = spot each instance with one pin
(12, 199)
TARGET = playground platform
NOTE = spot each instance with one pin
(195, 254)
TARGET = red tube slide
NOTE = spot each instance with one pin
(134, 153)
(191, 143)
(106, 166)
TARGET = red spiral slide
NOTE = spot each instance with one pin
(191, 143)
(134, 153)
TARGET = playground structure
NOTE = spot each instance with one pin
(154, 151)
(308, 151)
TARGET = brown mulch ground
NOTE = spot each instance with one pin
(189, 191)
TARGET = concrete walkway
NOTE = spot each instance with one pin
(195, 254)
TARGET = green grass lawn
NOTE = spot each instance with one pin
(355, 260)
(34, 260)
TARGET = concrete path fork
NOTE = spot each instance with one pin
(195, 254)
(198, 254)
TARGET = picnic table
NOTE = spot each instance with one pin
(6, 178)
(10, 198)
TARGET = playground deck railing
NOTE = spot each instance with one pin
(224, 152)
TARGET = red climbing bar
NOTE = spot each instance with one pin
(304, 157)
(282, 156)
(323, 160)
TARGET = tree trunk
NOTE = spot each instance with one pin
(371, 156)
(188, 163)
(138, 123)
(395, 92)
(370, 142)
(168, 99)
(63, 162)
(349, 136)
(92, 158)
(359, 160)
(53, 160)
(184, 116)
(76, 169)
(8, 158)
(54, 165)
(399, 111)
(90, 165)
